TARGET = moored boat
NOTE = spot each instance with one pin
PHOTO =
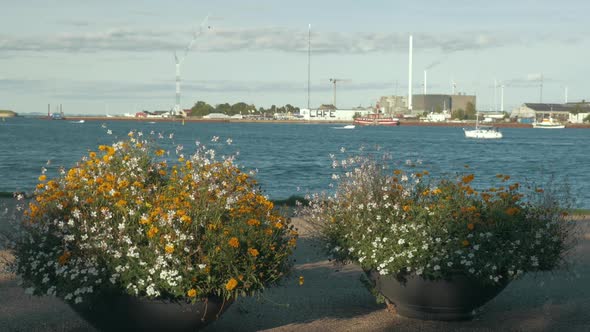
(483, 132)
(376, 120)
(548, 123)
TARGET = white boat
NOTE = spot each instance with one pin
(548, 123)
(346, 127)
(79, 121)
(483, 132)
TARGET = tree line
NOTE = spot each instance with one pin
(202, 108)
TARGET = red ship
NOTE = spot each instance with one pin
(376, 120)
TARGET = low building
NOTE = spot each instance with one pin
(216, 116)
(331, 113)
(569, 112)
(438, 117)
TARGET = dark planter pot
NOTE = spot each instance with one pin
(128, 313)
(454, 299)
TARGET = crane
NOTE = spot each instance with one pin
(334, 81)
(202, 28)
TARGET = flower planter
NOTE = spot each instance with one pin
(454, 299)
(127, 313)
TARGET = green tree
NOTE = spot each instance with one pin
(201, 108)
(224, 108)
(458, 114)
(470, 111)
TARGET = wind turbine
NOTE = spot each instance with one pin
(334, 81)
(178, 61)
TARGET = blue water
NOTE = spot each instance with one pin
(293, 159)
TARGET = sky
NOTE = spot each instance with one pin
(115, 57)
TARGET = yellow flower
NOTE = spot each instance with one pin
(406, 208)
(191, 292)
(231, 284)
(301, 280)
(169, 248)
(42, 177)
(465, 243)
(152, 232)
(253, 252)
(160, 153)
(234, 242)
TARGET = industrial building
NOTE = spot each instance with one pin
(397, 105)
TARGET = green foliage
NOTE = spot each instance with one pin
(470, 111)
(201, 108)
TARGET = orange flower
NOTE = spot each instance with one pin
(42, 177)
(169, 248)
(191, 292)
(467, 178)
(253, 252)
(160, 153)
(465, 243)
(231, 284)
(64, 258)
(253, 222)
(234, 242)
(406, 208)
(470, 226)
(152, 232)
(512, 211)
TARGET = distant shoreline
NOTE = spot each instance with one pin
(402, 122)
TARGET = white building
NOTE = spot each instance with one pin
(216, 116)
(331, 114)
(438, 117)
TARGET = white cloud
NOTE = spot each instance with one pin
(260, 39)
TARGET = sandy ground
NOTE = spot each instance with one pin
(333, 299)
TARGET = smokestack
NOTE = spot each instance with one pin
(425, 82)
(410, 77)
(502, 98)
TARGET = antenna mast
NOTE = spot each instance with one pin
(308, 65)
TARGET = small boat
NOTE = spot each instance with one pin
(483, 132)
(376, 119)
(346, 127)
(80, 121)
(548, 123)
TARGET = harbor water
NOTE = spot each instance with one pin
(294, 159)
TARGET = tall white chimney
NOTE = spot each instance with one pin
(410, 77)
(425, 81)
